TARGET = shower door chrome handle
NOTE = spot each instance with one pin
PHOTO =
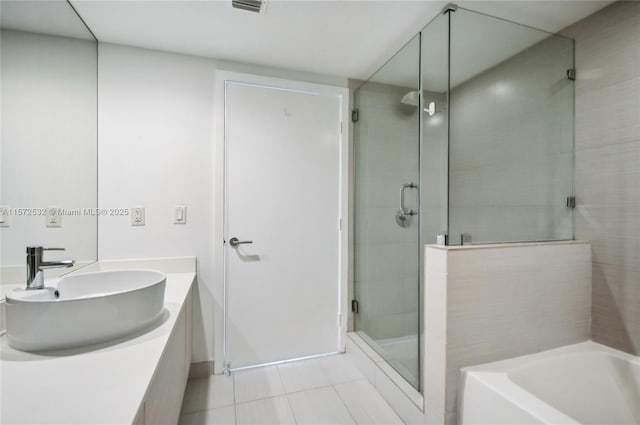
(403, 216)
(235, 242)
(402, 207)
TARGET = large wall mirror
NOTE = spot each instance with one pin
(48, 136)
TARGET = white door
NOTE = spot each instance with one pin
(282, 193)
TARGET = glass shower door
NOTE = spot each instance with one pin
(387, 219)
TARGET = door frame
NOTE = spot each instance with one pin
(219, 161)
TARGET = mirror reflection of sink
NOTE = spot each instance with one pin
(84, 309)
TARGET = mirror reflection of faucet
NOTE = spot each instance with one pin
(36, 265)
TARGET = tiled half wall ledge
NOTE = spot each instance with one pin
(485, 303)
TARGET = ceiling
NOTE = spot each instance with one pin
(347, 38)
(42, 17)
(478, 42)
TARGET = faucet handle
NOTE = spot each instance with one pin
(37, 250)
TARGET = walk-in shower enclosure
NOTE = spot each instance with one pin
(466, 132)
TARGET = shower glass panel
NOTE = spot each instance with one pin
(511, 132)
(434, 67)
(466, 131)
(387, 223)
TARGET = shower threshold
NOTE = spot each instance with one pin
(370, 360)
(400, 353)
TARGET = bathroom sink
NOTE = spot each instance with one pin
(83, 309)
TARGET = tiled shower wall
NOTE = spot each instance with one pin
(608, 166)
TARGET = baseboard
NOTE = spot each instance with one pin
(201, 369)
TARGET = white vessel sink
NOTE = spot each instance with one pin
(84, 309)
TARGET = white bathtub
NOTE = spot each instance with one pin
(586, 383)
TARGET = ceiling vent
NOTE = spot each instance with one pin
(250, 5)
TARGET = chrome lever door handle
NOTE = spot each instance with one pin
(235, 242)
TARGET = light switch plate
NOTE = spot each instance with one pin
(137, 216)
(54, 218)
(180, 214)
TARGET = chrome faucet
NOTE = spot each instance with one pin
(35, 265)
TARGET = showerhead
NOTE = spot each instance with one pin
(413, 99)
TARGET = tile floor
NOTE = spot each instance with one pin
(326, 390)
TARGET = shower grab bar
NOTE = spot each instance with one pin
(402, 208)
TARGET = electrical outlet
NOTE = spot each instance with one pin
(4, 217)
(179, 214)
(137, 216)
(54, 218)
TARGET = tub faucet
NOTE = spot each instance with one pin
(35, 265)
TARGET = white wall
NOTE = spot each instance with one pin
(156, 149)
(48, 124)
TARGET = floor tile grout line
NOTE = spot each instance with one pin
(344, 403)
(304, 389)
(377, 392)
(285, 392)
(207, 409)
(264, 398)
(332, 387)
(235, 404)
(351, 380)
(325, 369)
(309, 389)
(297, 391)
(268, 396)
(293, 415)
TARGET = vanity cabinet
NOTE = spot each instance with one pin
(163, 401)
(139, 380)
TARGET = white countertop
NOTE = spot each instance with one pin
(105, 383)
